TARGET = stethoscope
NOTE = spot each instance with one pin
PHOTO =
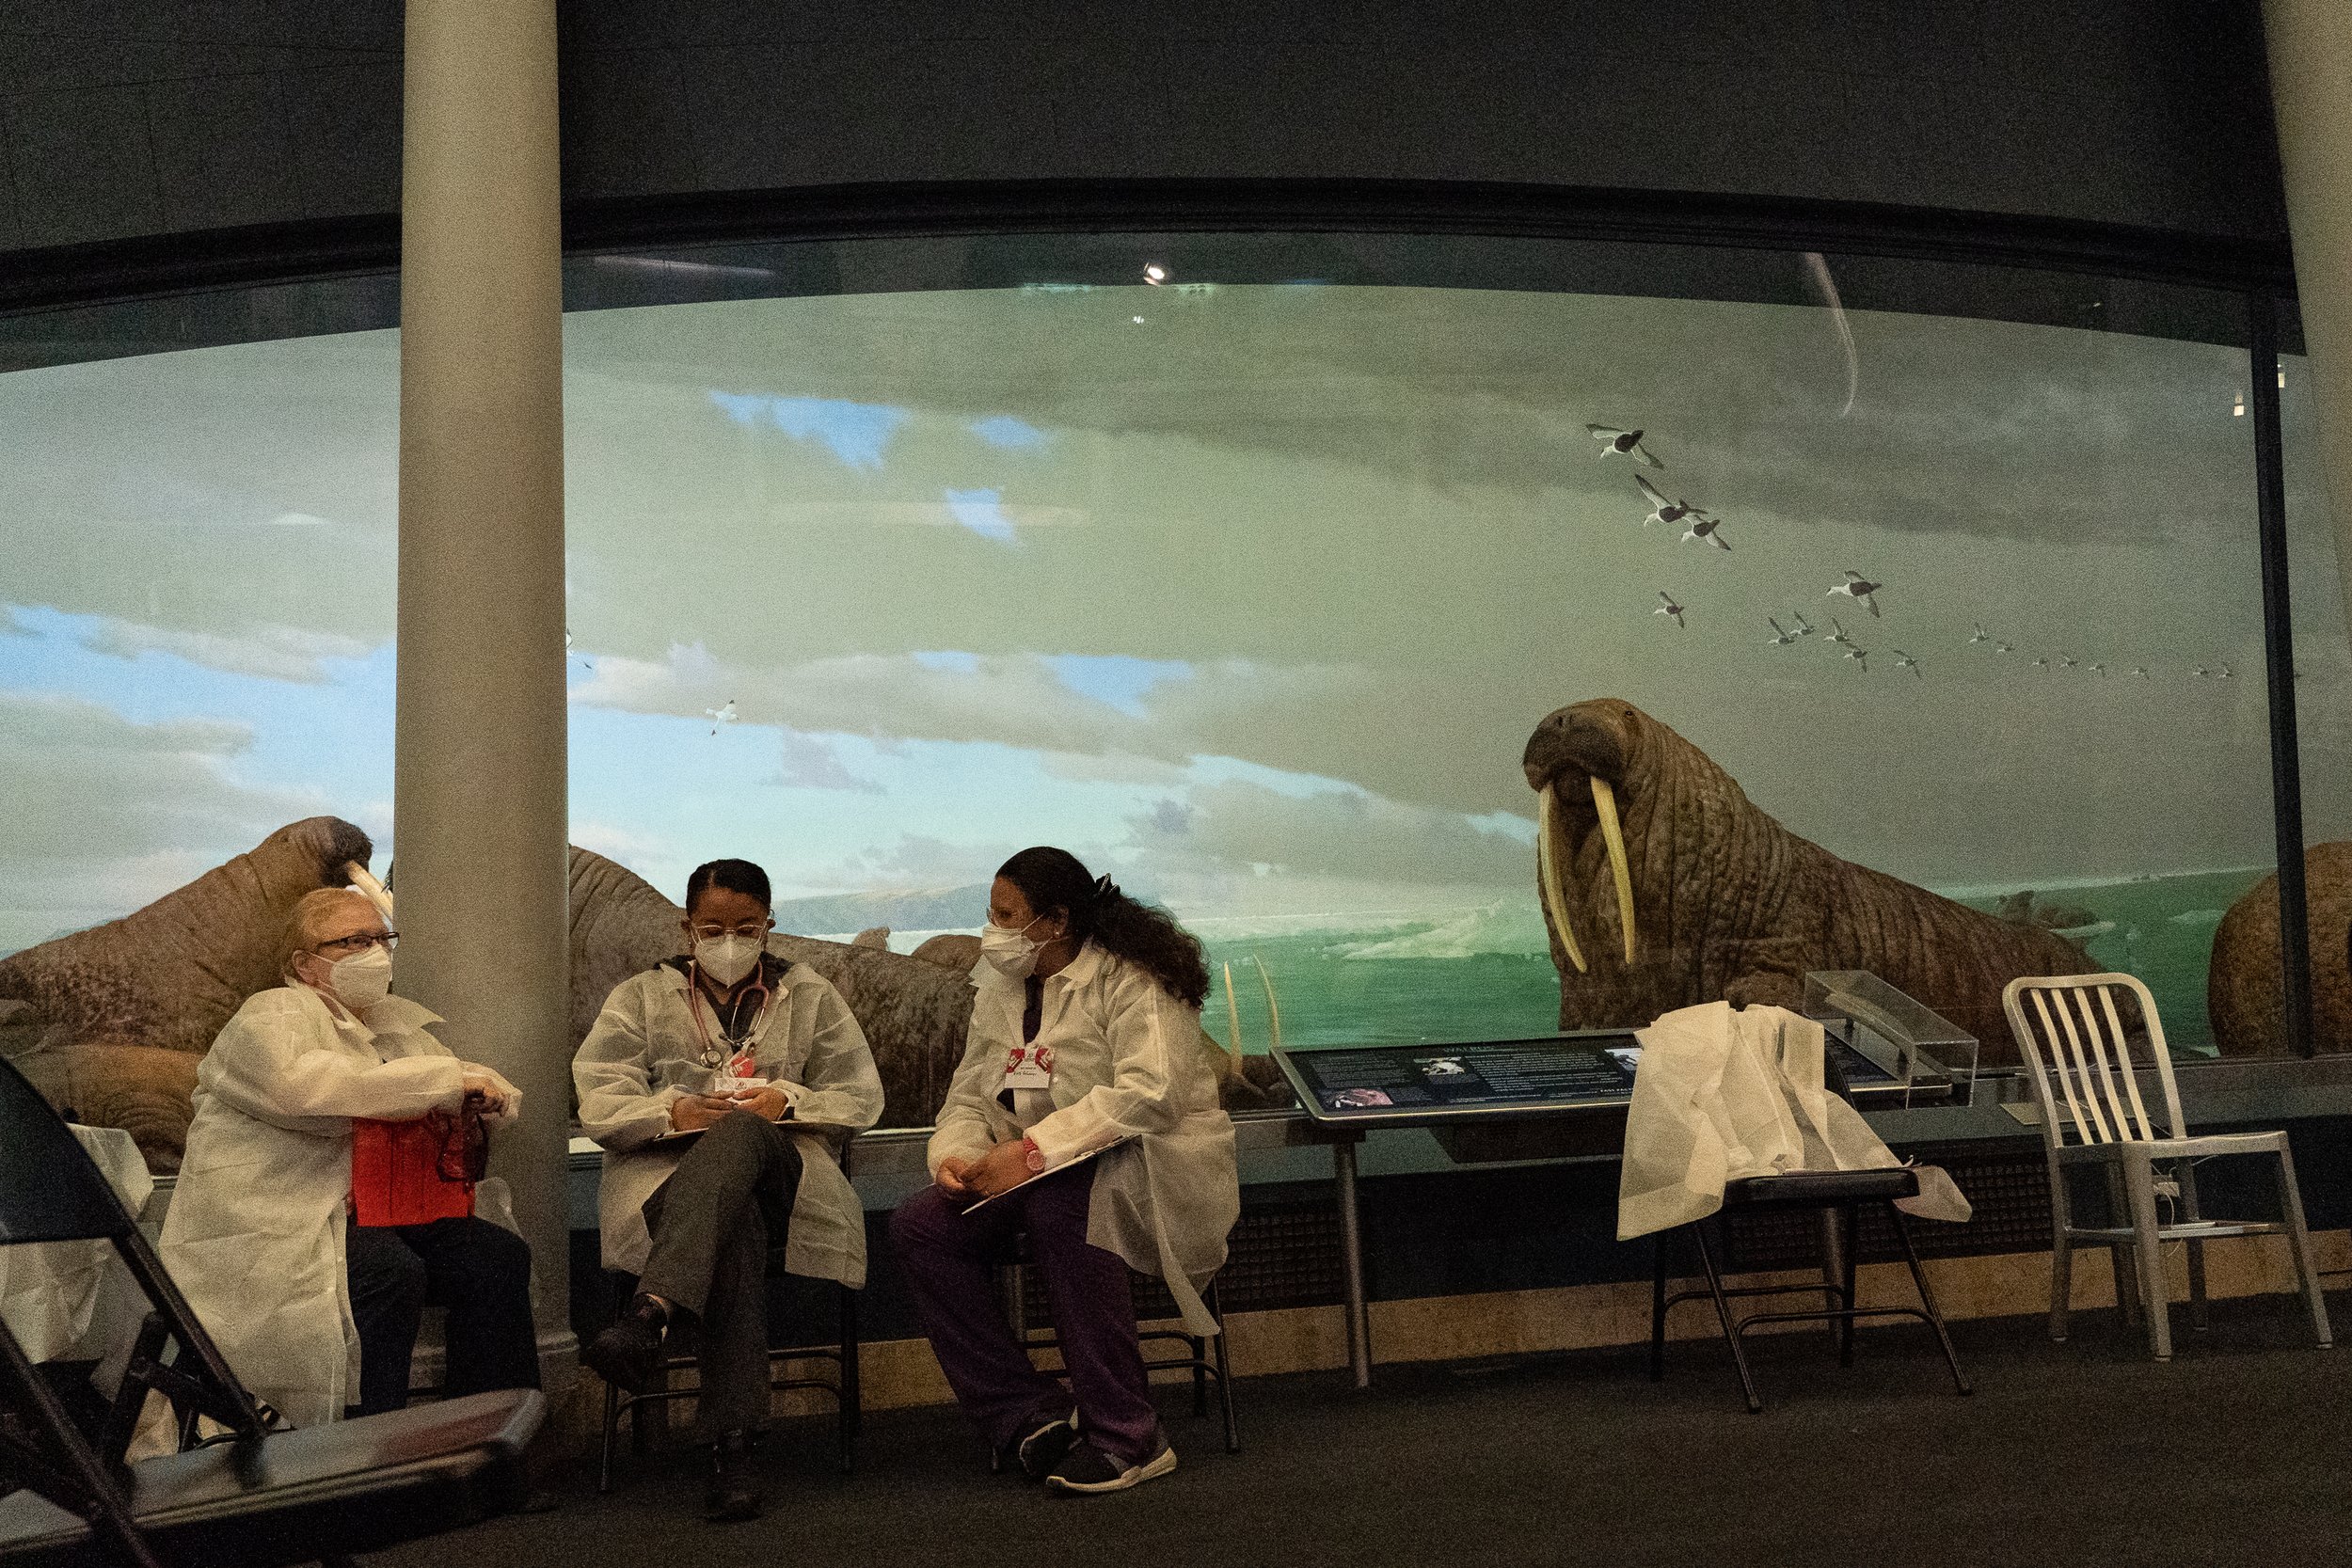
(717, 1056)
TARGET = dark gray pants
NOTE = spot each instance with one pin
(479, 1272)
(713, 1223)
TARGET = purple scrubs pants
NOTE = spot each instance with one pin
(946, 1258)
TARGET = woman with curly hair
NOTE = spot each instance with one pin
(1086, 1034)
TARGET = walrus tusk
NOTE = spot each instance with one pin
(1605, 803)
(1548, 874)
(376, 893)
(1273, 1009)
(1232, 1020)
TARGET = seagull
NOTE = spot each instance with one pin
(1805, 627)
(1663, 510)
(1779, 638)
(1856, 586)
(2066, 663)
(2140, 670)
(1980, 636)
(1704, 527)
(2204, 673)
(1904, 661)
(2004, 647)
(719, 716)
(2228, 674)
(1670, 607)
(2042, 664)
(2098, 669)
(1838, 634)
(1622, 443)
(1861, 656)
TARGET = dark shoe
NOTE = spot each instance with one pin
(1051, 1438)
(1090, 1469)
(629, 1353)
(733, 1492)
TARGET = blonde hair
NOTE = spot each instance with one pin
(305, 920)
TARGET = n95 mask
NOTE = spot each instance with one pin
(728, 958)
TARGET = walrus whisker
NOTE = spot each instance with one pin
(1605, 805)
(1548, 873)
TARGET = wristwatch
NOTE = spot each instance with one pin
(1031, 1155)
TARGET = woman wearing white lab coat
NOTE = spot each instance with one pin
(1085, 1037)
(259, 1236)
(764, 1060)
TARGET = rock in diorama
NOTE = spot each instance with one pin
(110, 1022)
(2242, 996)
(1664, 886)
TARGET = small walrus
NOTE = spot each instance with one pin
(1662, 887)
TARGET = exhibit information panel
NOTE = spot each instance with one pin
(1395, 1085)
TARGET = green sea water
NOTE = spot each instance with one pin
(1484, 974)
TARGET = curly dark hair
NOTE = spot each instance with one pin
(1055, 879)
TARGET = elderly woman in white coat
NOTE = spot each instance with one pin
(1087, 1077)
(316, 1313)
(763, 1064)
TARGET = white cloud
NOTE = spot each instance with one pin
(272, 653)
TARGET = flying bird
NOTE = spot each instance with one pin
(2042, 664)
(1856, 586)
(720, 716)
(2066, 663)
(2228, 674)
(1980, 636)
(1779, 638)
(1861, 656)
(2140, 670)
(2204, 673)
(2004, 647)
(1838, 634)
(1663, 510)
(1704, 527)
(1670, 607)
(1805, 627)
(1622, 443)
(2098, 669)
(1904, 661)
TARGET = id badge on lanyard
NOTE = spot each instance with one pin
(1030, 1066)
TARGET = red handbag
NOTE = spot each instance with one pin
(414, 1172)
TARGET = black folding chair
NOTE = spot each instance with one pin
(254, 1497)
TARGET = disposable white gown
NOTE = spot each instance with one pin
(1128, 1058)
(1720, 1096)
(643, 1052)
(255, 1233)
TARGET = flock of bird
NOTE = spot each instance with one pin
(1703, 526)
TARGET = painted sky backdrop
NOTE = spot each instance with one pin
(1250, 594)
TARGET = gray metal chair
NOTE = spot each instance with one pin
(2086, 1066)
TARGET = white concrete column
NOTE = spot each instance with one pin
(2310, 86)
(479, 772)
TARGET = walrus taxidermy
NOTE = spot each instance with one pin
(1664, 887)
(2243, 995)
(127, 1008)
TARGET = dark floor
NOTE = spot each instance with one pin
(2086, 1453)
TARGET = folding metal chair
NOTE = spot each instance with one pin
(2086, 1080)
(256, 1498)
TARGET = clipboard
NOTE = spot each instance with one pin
(1070, 1163)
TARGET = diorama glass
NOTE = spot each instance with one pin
(1258, 586)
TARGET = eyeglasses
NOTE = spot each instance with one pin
(713, 933)
(346, 946)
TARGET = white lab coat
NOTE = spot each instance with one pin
(644, 1052)
(1128, 1057)
(1720, 1096)
(255, 1233)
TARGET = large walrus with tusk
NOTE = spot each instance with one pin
(1662, 886)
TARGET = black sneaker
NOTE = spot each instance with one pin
(1090, 1469)
(629, 1353)
(733, 1494)
(1046, 1445)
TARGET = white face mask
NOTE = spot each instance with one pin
(1011, 951)
(727, 959)
(362, 980)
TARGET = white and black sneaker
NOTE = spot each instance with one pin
(1038, 1453)
(1090, 1469)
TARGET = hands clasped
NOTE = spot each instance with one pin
(691, 1112)
(1001, 1169)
